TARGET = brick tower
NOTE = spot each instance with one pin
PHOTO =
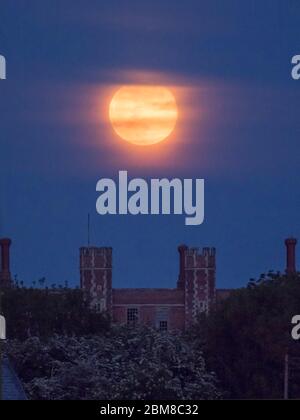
(96, 276)
(5, 276)
(197, 277)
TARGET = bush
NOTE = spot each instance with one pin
(247, 337)
(45, 312)
(128, 364)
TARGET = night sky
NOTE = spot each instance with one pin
(229, 63)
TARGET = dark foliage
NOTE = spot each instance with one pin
(45, 312)
(246, 338)
(128, 364)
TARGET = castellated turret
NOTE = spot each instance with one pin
(198, 279)
(96, 276)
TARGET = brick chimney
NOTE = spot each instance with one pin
(5, 277)
(180, 283)
(291, 255)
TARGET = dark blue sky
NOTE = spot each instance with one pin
(240, 130)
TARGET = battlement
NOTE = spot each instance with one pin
(93, 250)
(201, 252)
(197, 258)
(95, 258)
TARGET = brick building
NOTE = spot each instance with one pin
(166, 309)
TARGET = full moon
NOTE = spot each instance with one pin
(143, 115)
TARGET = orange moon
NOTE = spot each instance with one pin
(143, 115)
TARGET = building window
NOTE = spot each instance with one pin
(132, 316)
(162, 318)
(100, 305)
(203, 306)
(163, 326)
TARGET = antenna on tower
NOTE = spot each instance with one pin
(88, 231)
